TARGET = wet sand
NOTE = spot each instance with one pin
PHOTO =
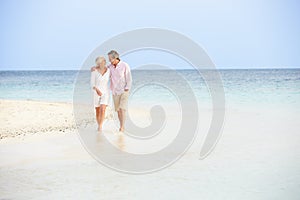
(257, 157)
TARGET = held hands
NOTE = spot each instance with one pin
(98, 91)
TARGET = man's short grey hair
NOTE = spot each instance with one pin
(114, 54)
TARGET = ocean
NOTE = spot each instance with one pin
(263, 87)
(257, 155)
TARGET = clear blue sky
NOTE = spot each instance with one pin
(60, 34)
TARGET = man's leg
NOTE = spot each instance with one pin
(122, 110)
(121, 116)
(117, 99)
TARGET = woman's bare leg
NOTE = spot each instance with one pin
(101, 115)
(98, 116)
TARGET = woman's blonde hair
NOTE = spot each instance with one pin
(99, 57)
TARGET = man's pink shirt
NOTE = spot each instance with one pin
(120, 78)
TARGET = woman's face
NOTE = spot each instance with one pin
(101, 62)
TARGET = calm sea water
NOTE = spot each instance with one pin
(256, 87)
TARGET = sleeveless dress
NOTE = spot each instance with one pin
(101, 82)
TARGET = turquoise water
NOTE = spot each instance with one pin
(241, 86)
(37, 85)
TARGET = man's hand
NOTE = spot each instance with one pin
(98, 92)
(93, 69)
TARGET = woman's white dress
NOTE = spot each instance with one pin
(101, 82)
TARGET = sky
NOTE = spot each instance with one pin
(60, 34)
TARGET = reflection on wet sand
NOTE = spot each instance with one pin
(120, 142)
(102, 142)
(117, 139)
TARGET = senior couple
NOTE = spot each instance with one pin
(119, 75)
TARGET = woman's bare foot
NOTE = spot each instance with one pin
(99, 129)
(121, 129)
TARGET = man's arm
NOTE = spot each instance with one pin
(93, 69)
(128, 77)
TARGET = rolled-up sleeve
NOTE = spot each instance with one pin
(128, 77)
(93, 79)
(110, 78)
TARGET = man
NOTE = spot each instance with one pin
(120, 85)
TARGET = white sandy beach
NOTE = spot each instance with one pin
(28, 117)
(257, 157)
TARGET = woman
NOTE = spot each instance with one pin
(99, 84)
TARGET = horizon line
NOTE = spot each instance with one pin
(229, 68)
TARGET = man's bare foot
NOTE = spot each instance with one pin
(121, 129)
(99, 129)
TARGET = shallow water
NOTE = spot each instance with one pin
(264, 87)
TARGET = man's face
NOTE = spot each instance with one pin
(112, 60)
